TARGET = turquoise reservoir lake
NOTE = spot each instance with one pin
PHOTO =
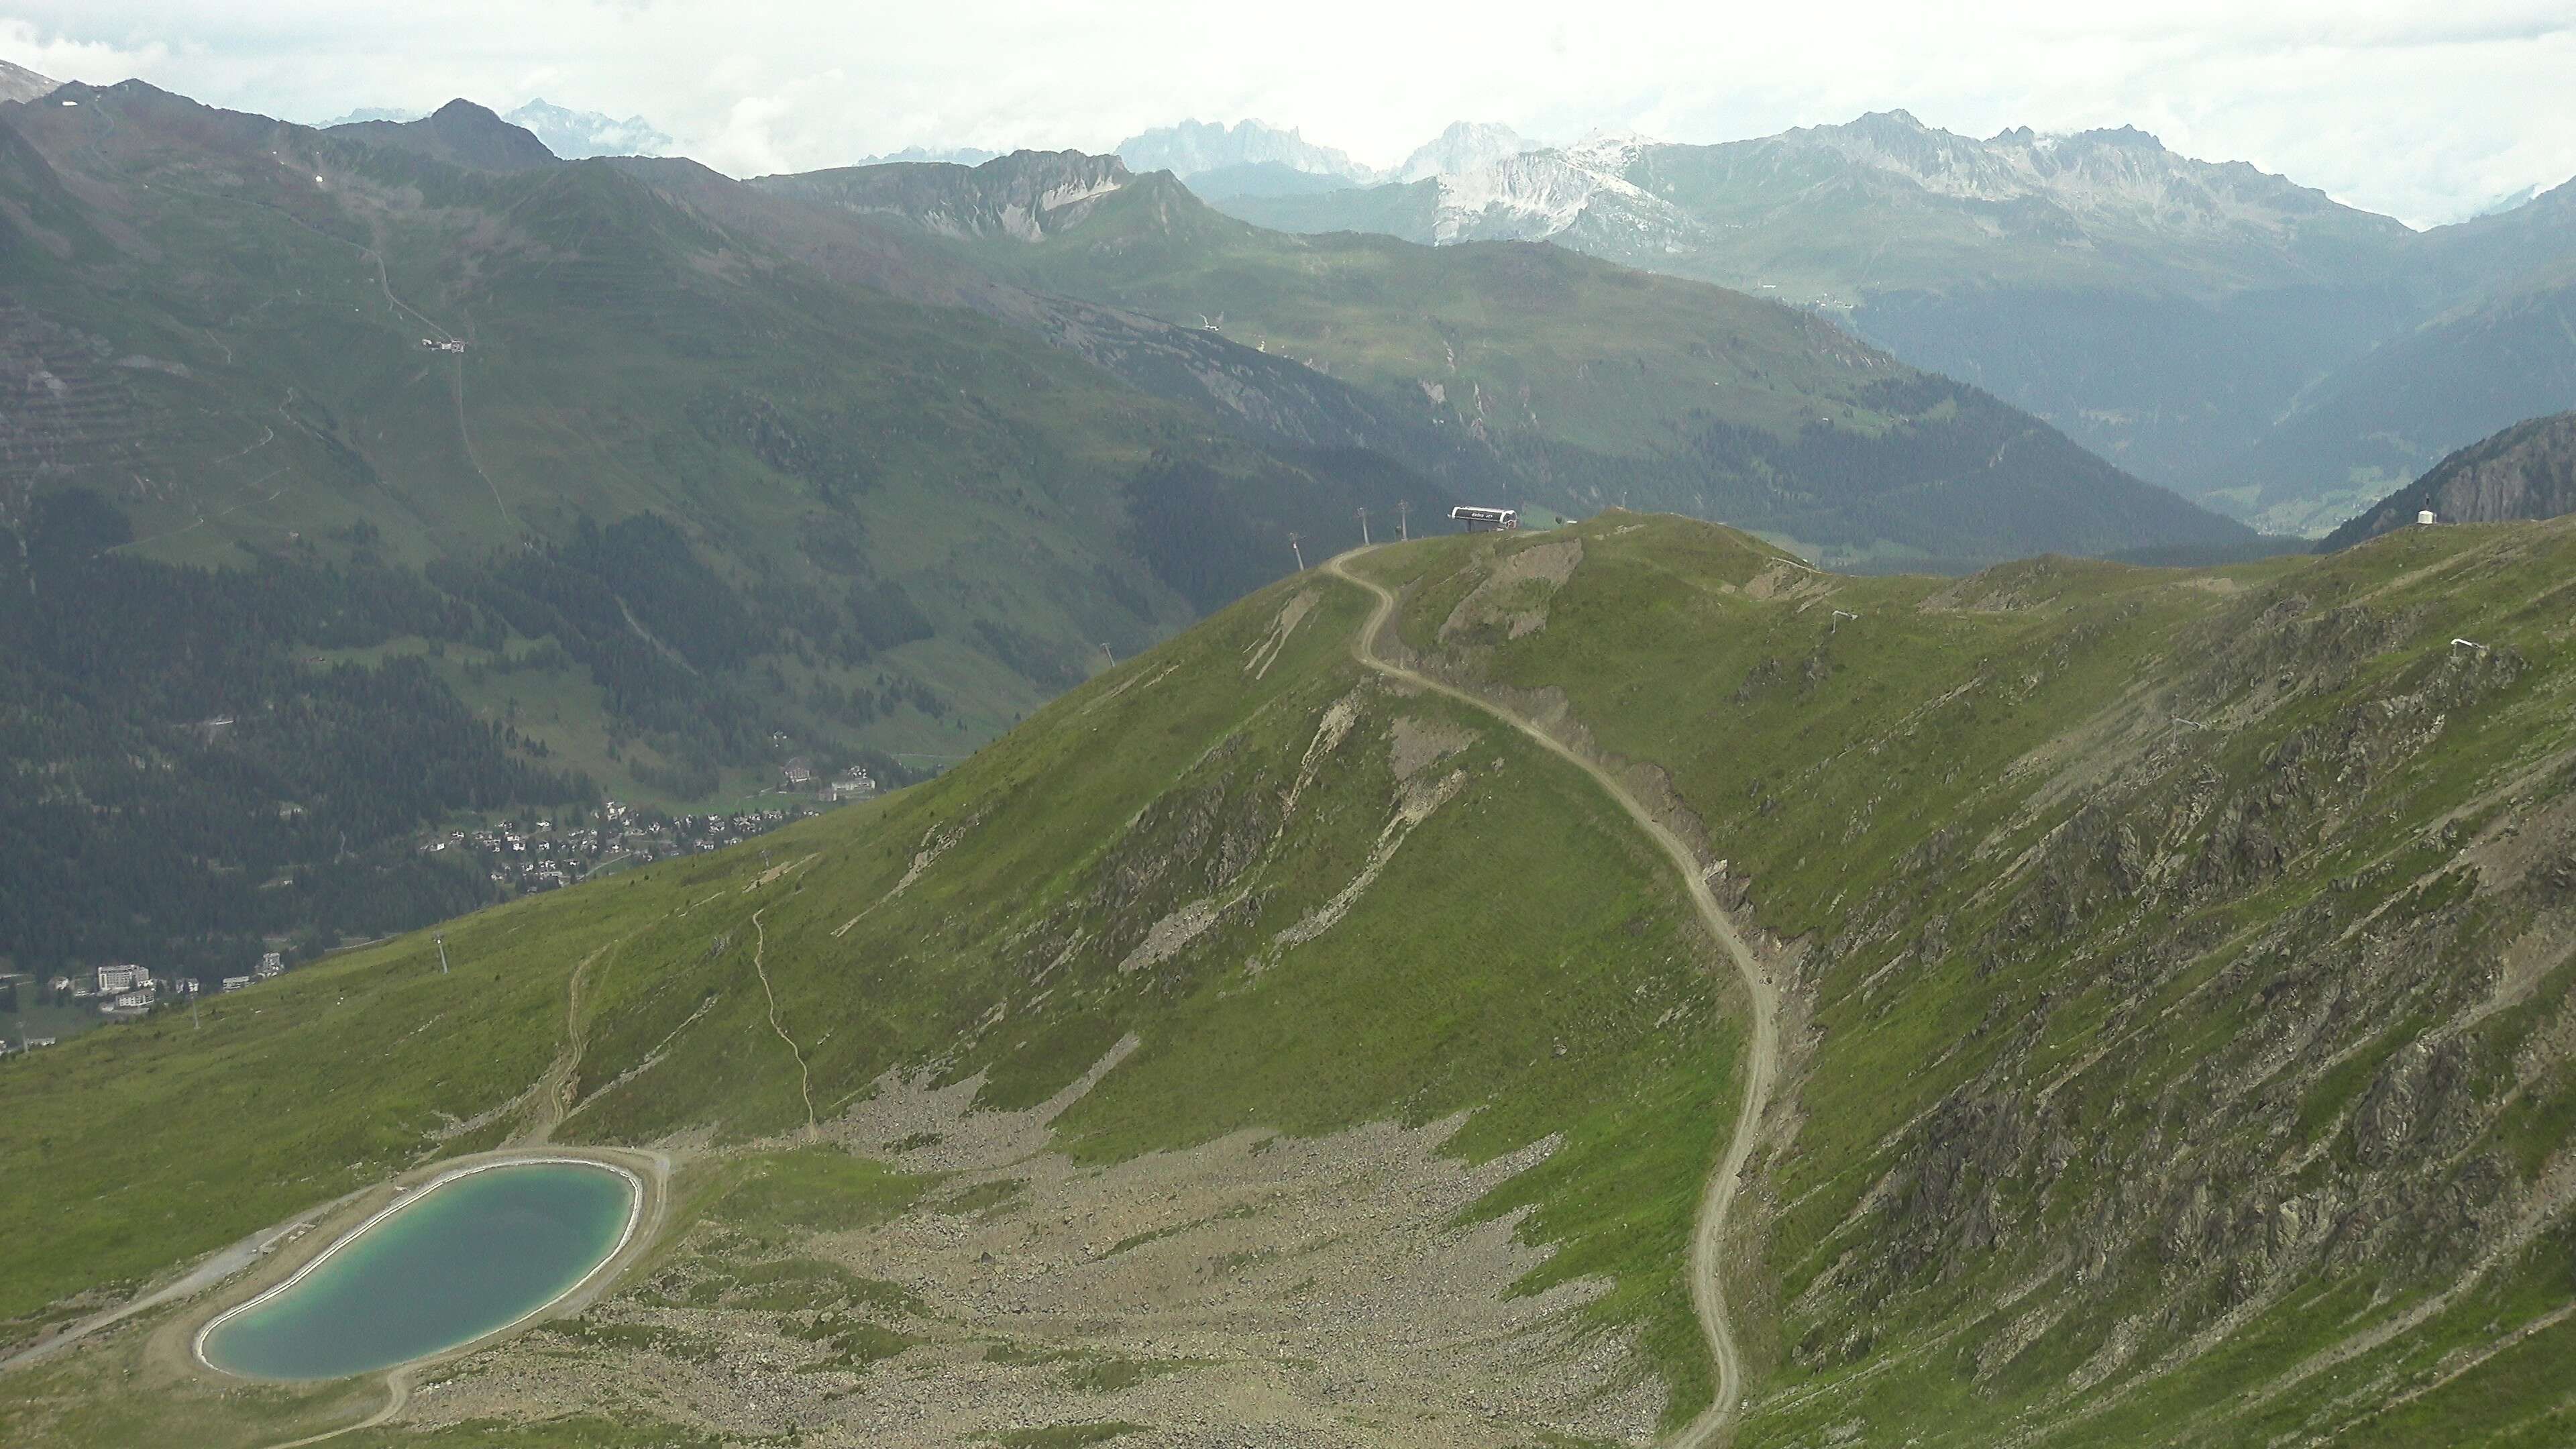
(454, 1261)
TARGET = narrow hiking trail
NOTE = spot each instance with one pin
(1717, 1200)
(804, 1078)
(555, 1091)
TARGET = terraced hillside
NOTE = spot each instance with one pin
(1581, 383)
(2174, 969)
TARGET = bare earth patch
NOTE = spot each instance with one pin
(1255, 1290)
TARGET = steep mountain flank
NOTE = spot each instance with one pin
(1572, 383)
(2462, 375)
(2527, 471)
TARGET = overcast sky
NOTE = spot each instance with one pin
(2422, 110)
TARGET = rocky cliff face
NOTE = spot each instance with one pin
(2527, 471)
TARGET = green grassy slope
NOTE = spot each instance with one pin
(1585, 384)
(2187, 1006)
(1504, 946)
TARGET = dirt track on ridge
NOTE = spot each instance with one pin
(1717, 1200)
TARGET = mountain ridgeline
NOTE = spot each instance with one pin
(2176, 1037)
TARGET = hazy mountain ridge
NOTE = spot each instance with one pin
(951, 155)
(1463, 146)
(576, 135)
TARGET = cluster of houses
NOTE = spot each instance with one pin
(541, 855)
(854, 783)
(126, 989)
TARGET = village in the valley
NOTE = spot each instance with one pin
(518, 857)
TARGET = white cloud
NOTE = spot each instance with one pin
(2420, 109)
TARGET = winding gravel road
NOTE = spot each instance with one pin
(1708, 1236)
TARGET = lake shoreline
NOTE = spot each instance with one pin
(405, 1200)
(300, 1246)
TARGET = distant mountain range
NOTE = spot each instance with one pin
(568, 134)
(2224, 331)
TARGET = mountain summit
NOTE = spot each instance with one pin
(459, 133)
